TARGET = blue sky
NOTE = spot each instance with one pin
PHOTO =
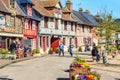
(95, 6)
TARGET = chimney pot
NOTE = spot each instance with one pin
(80, 9)
(87, 12)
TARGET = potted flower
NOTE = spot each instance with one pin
(57, 50)
(4, 53)
(50, 51)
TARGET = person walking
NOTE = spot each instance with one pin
(61, 47)
(94, 53)
(12, 47)
(71, 49)
(104, 55)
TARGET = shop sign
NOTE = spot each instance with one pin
(8, 29)
(31, 33)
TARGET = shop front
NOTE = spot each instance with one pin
(30, 38)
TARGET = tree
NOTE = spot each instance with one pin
(107, 27)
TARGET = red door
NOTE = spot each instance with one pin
(54, 43)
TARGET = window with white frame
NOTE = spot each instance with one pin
(26, 24)
(33, 25)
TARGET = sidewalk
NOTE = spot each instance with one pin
(114, 64)
(4, 63)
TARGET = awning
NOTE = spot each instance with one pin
(11, 35)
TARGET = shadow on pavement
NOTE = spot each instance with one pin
(62, 79)
(5, 79)
(67, 70)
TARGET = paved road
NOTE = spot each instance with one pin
(51, 67)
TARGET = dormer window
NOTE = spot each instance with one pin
(29, 9)
(12, 3)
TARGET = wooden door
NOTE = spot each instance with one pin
(54, 43)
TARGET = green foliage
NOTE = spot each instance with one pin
(57, 50)
(37, 50)
(118, 47)
(4, 57)
(99, 46)
(112, 48)
(80, 49)
(78, 59)
(50, 51)
(3, 51)
(13, 51)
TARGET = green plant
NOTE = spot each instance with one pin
(0, 50)
(78, 59)
(50, 51)
(4, 51)
(57, 50)
(37, 50)
(4, 57)
(118, 47)
(13, 51)
(80, 49)
(33, 51)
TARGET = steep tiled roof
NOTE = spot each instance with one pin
(89, 18)
(34, 15)
(40, 8)
(65, 10)
(3, 7)
(68, 18)
(81, 18)
(26, 1)
(49, 3)
(19, 11)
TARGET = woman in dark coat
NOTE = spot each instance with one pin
(94, 53)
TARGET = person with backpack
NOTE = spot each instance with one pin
(61, 47)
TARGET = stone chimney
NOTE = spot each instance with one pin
(97, 16)
(87, 12)
(81, 9)
(69, 5)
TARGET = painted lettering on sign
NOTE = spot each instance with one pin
(8, 29)
(30, 32)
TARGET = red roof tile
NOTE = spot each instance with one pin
(40, 8)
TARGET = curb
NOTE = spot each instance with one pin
(20, 60)
(105, 70)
